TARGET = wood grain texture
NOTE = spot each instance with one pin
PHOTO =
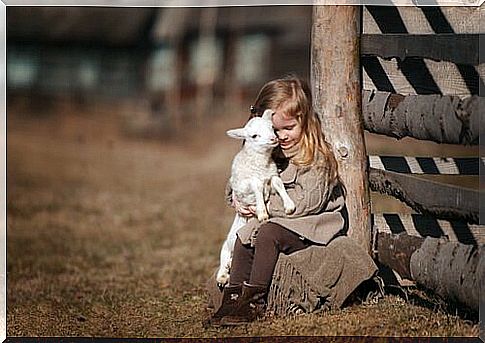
(421, 76)
(453, 270)
(428, 197)
(450, 269)
(395, 251)
(337, 98)
(441, 119)
(418, 21)
(456, 48)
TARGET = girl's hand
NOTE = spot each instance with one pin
(244, 211)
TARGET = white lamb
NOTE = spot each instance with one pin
(253, 174)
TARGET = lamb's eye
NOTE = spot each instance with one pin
(254, 136)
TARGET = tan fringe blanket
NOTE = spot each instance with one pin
(313, 279)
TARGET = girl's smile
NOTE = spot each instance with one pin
(288, 130)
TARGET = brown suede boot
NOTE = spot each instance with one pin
(230, 296)
(250, 306)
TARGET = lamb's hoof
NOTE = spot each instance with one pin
(290, 209)
(222, 279)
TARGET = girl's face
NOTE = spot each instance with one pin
(288, 130)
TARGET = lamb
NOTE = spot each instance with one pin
(253, 175)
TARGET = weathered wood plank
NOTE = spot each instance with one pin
(453, 270)
(395, 251)
(456, 48)
(421, 76)
(335, 74)
(419, 225)
(442, 119)
(382, 19)
(450, 269)
(428, 197)
(428, 165)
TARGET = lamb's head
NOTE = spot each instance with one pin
(258, 133)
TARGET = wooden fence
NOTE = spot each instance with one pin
(422, 78)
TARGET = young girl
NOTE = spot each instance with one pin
(308, 169)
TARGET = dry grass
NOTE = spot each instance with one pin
(108, 237)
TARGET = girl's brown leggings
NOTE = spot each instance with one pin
(256, 264)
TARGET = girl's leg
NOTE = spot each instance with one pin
(270, 241)
(242, 262)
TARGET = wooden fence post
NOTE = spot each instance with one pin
(336, 87)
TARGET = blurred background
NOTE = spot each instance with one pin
(161, 70)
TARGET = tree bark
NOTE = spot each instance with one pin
(395, 251)
(453, 270)
(446, 202)
(439, 118)
(335, 75)
(450, 269)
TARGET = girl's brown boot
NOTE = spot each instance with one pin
(250, 306)
(230, 296)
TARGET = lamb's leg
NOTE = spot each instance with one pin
(261, 212)
(277, 184)
(226, 251)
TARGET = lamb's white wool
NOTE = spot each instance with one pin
(253, 175)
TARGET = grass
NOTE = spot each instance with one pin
(116, 238)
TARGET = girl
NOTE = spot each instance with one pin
(308, 169)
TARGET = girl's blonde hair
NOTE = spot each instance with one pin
(292, 97)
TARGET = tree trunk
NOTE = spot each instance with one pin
(336, 89)
(232, 86)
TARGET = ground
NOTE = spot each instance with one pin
(116, 237)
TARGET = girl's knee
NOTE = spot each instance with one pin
(267, 233)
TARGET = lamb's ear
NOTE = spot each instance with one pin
(268, 114)
(237, 133)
